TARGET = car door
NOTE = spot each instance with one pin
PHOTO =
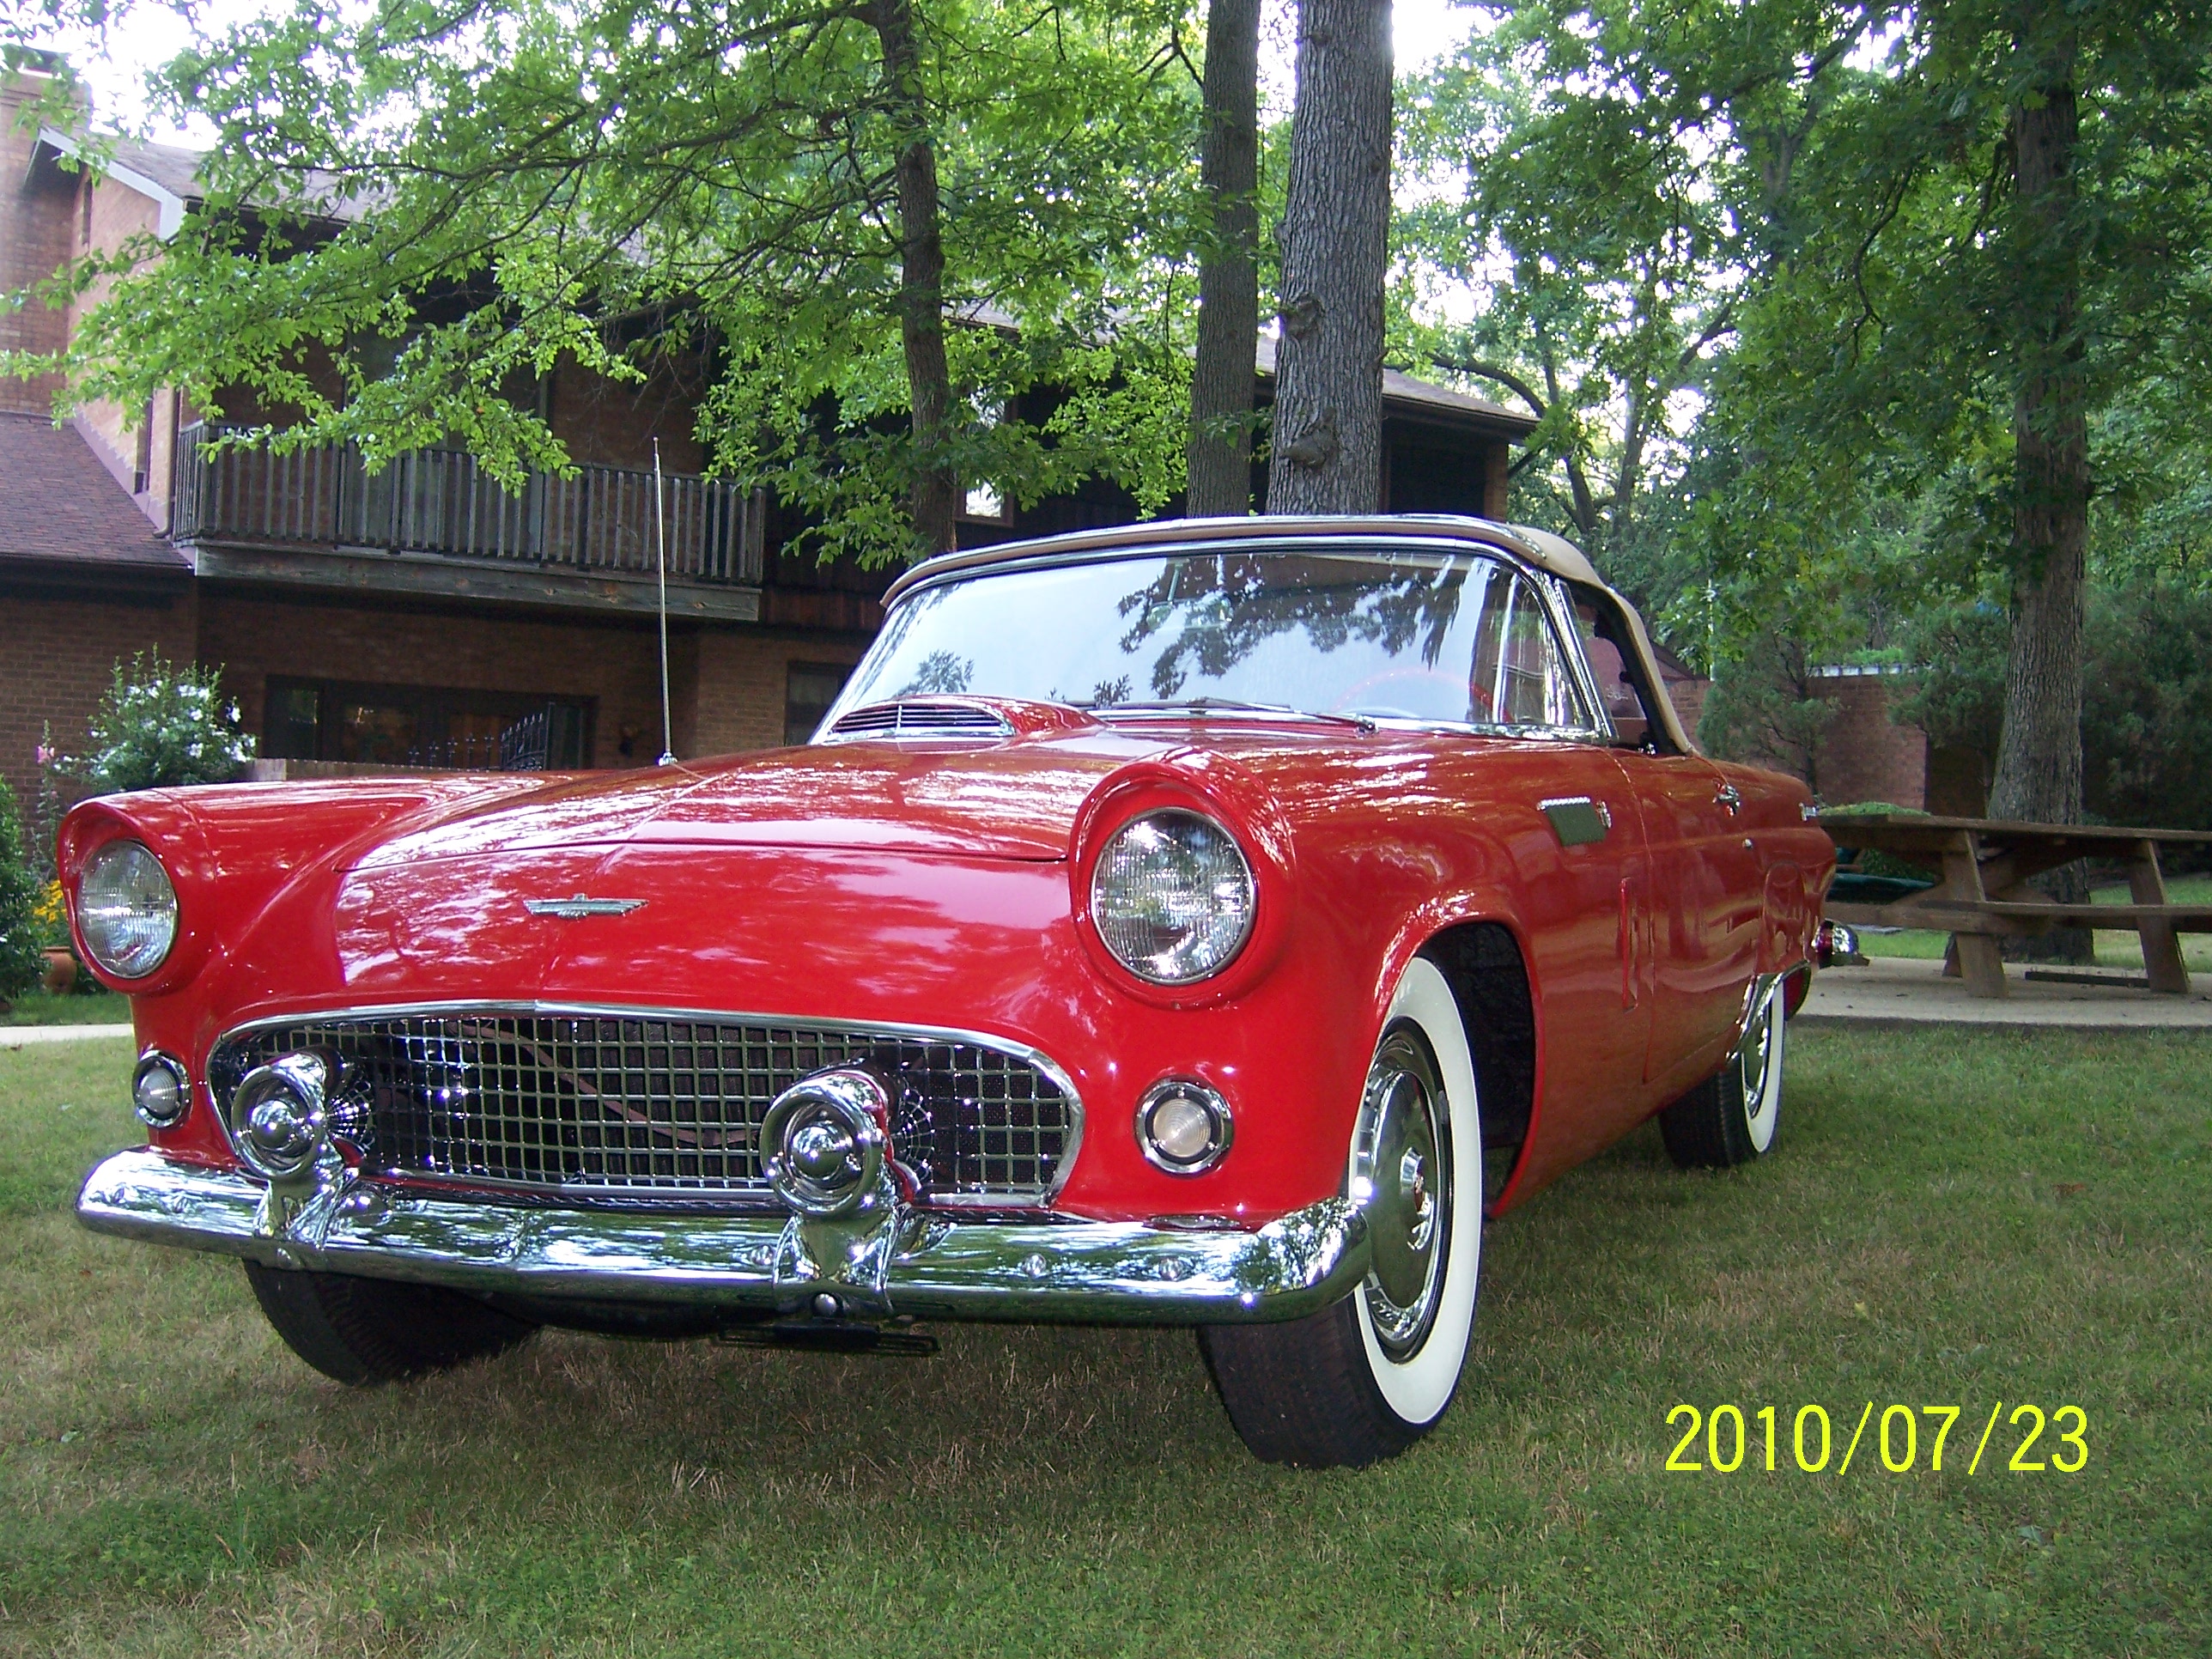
(1684, 907)
(1697, 988)
(1574, 865)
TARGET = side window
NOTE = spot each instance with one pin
(1616, 682)
(1521, 675)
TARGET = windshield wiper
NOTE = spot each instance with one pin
(1229, 705)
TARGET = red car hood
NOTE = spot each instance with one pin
(1010, 800)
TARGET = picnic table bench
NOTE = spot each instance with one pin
(1980, 895)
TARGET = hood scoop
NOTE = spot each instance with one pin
(985, 719)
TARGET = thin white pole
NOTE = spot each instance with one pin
(660, 528)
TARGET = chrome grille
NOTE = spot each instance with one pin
(912, 719)
(655, 1105)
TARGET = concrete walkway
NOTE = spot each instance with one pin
(14, 1036)
(1898, 993)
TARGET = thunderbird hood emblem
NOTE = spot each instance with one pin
(571, 909)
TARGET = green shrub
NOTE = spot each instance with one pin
(159, 727)
(2146, 707)
(21, 934)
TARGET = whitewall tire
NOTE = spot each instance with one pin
(1366, 1378)
(1735, 1117)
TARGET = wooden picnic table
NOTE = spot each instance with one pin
(1981, 868)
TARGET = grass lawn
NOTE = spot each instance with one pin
(1951, 1220)
(37, 1008)
(2116, 948)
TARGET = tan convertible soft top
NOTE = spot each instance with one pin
(1537, 547)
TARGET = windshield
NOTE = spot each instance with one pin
(1424, 636)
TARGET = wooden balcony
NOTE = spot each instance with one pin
(434, 522)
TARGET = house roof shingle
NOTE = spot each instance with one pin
(61, 505)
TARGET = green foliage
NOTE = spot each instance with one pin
(1767, 708)
(416, 212)
(23, 934)
(161, 726)
(1609, 245)
(1958, 697)
(2146, 707)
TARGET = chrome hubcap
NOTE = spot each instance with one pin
(1758, 1087)
(1405, 1157)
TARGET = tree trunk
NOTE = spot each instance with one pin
(934, 497)
(1228, 273)
(2039, 770)
(1327, 454)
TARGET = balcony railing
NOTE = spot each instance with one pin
(442, 501)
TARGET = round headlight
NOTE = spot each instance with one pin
(1171, 895)
(126, 910)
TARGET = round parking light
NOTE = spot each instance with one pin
(160, 1092)
(1183, 1127)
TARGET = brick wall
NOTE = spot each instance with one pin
(37, 233)
(119, 435)
(1863, 754)
(616, 663)
(611, 424)
(742, 682)
(57, 654)
(1688, 697)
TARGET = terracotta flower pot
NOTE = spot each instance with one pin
(60, 976)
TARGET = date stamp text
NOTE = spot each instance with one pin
(1906, 1439)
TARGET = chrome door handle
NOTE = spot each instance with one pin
(1729, 796)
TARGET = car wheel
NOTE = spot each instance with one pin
(1733, 1118)
(1366, 1378)
(367, 1331)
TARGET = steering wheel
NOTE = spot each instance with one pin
(1458, 693)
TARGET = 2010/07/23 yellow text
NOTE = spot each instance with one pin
(1908, 1440)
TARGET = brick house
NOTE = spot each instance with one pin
(425, 617)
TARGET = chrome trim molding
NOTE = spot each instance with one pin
(909, 1262)
(572, 909)
(451, 1009)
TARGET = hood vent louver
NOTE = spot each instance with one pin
(920, 718)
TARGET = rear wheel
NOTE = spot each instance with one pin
(1366, 1378)
(1733, 1118)
(366, 1331)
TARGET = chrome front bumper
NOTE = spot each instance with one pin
(910, 1262)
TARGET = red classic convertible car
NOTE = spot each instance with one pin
(1206, 923)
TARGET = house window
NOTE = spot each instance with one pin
(983, 500)
(424, 725)
(809, 688)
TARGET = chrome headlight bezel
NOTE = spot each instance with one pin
(1161, 862)
(126, 910)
